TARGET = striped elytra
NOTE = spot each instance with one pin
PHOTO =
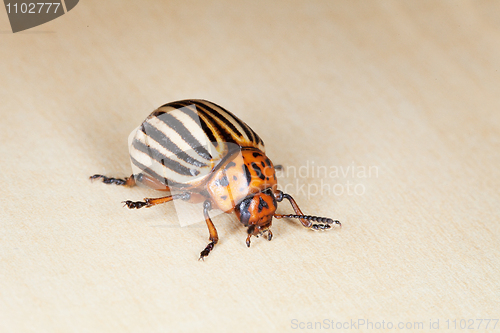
(204, 153)
(182, 142)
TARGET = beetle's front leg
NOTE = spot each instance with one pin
(306, 220)
(326, 223)
(214, 238)
(251, 232)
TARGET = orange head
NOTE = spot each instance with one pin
(246, 184)
(256, 211)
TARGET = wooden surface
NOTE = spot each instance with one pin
(408, 88)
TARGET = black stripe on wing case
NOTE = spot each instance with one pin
(185, 134)
(252, 136)
(222, 130)
(176, 104)
(163, 140)
(148, 171)
(152, 173)
(194, 115)
(221, 117)
(163, 160)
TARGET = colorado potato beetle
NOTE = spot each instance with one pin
(202, 153)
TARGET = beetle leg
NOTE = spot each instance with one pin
(129, 181)
(305, 219)
(149, 202)
(214, 238)
(295, 207)
(251, 232)
(325, 225)
(248, 240)
(133, 180)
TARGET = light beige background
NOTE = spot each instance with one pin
(409, 87)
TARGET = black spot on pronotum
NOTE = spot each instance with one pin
(258, 170)
(235, 178)
(230, 165)
(248, 175)
(222, 181)
(262, 204)
(224, 197)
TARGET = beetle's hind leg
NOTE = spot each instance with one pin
(214, 238)
(129, 181)
(149, 202)
(326, 223)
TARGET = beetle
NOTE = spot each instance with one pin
(201, 152)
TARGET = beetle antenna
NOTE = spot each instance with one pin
(325, 221)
